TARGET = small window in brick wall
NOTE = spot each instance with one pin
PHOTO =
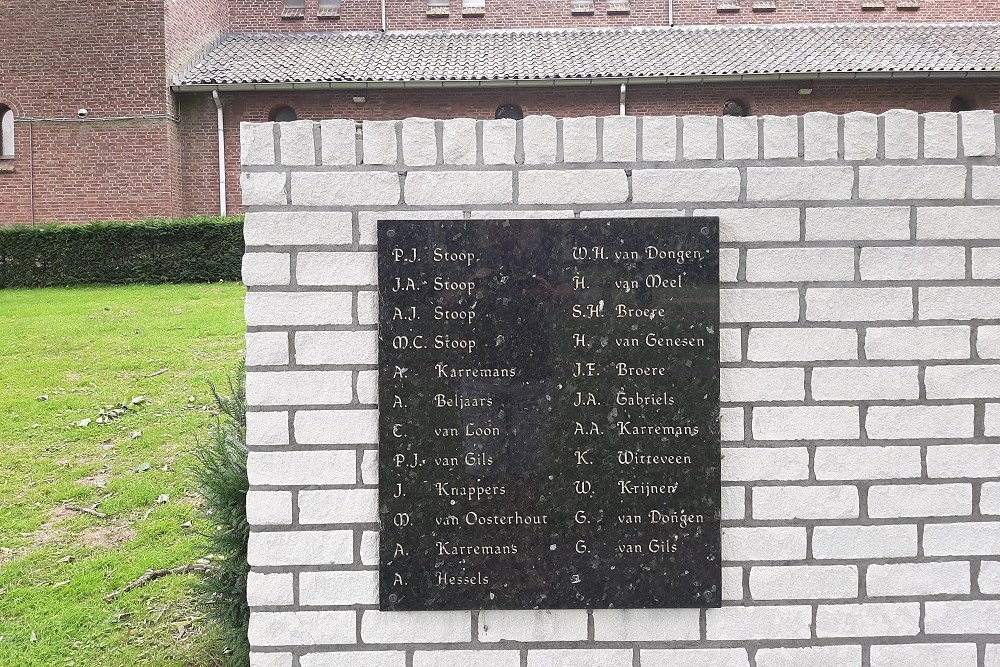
(293, 9)
(618, 7)
(735, 108)
(581, 6)
(764, 5)
(438, 7)
(872, 4)
(6, 132)
(727, 6)
(908, 4)
(283, 114)
(509, 111)
(473, 7)
(961, 103)
(329, 9)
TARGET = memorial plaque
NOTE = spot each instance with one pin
(549, 414)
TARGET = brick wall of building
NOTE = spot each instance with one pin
(190, 28)
(860, 381)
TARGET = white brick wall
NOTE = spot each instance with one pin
(860, 385)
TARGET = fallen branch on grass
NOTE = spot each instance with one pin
(87, 510)
(153, 575)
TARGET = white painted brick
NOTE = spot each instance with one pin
(960, 303)
(619, 142)
(459, 141)
(965, 381)
(799, 183)
(943, 263)
(744, 623)
(298, 143)
(580, 139)
(731, 424)
(878, 619)
(846, 304)
(263, 188)
(686, 657)
(369, 547)
(835, 463)
(354, 659)
(732, 583)
(368, 307)
(419, 142)
(755, 224)
(978, 133)
(298, 228)
(820, 131)
(659, 138)
(336, 347)
(793, 344)
(345, 188)
(586, 186)
(633, 213)
(267, 428)
(989, 501)
(730, 345)
(754, 463)
(302, 468)
(860, 135)
(269, 589)
(851, 542)
(499, 140)
(739, 385)
(539, 133)
(925, 342)
(336, 427)
(269, 508)
(763, 543)
(580, 657)
(781, 136)
(759, 305)
(803, 582)
(271, 659)
(425, 627)
(379, 141)
(541, 625)
(313, 547)
(733, 503)
(986, 263)
(919, 421)
(729, 264)
(268, 348)
(299, 387)
(991, 423)
(297, 308)
(482, 658)
(767, 265)
(962, 539)
(963, 461)
(907, 655)
(339, 145)
(367, 387)
(919, 579)
(985, 182)
(701, 137)
(919, 500)
(865, 383)
(989, 577)
(369, 466)
(813, 656)
(806, 423)
(340, 587)
(368, 220)
(940, 135)
(685, 185)
(739, 138)
(301, 628)
(256, 143)
(440, 188)
(900, 134)
(513, 214)
(805, 502)
(337, 268)
(338, 506)
(860, 223)
(993, 655)
(958, 222)
(916, 182)
(968, 617)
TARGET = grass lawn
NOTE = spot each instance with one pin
(66, 354)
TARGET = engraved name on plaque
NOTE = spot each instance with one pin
(549, 414)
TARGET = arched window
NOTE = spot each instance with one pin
(6, 131)
(283, 114)
(509, 111)
(961, 103)
(735, 107)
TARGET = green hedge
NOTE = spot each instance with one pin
(200, 249)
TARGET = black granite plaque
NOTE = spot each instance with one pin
(548, 406)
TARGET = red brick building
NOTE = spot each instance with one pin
(110, 109)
